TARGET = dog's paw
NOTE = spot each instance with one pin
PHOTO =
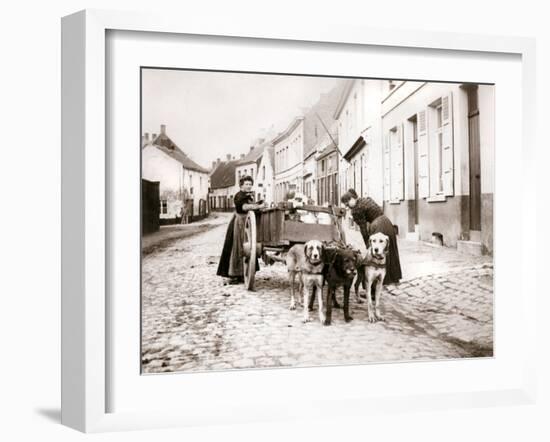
(327, 321)
(348, 319)
(370, 317)
(363, 295)
(292, 305)
(336, 305)
(306, 319)
(322, 319)
(359, 300)
(379, 316)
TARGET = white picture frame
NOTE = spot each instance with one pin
(85, 199)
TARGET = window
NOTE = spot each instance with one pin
(287, 159)
(435, 150)
(252, 173)
(263, 173)
(439, 150)
(440, 141)
(163, 207)
(394, 165)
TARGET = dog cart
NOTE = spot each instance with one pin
(277, 229)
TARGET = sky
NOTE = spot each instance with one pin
(211, 114)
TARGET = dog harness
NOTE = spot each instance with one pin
(375, 264)
(372, 262)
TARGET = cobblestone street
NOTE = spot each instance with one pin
(442, 309)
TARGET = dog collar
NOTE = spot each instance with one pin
(373, 263)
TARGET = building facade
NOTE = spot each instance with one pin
(439, 161)
(310, 177)
(288, 149)
(358, 116)
(223, 185)
(327, 176)
(264, 178)
(183, 184)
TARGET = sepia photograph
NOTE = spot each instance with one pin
(304, 221)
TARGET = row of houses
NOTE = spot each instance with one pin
(174, 187)
(424, 151)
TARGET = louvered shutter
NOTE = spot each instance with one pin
(423, 157)
(387, 174)
(447, 160)
(396, 157)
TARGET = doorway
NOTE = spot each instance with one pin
(475, 162)
(414, 203)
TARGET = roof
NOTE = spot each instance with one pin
(326, 151)
(166, 145)
(348, 85)
(223, 175)
(271, 152)
(293, 125)
(320, 117)
(254, 155)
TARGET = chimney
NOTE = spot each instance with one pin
(214, 164)
(242, 156)
(163, 129)
(153, 137)
(147, 137)
(251, 148)
(217, 161)
(228, 157)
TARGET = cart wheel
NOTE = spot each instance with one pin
(250, 249)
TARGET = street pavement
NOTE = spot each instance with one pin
(191, 321)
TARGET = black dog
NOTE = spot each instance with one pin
(339, 270)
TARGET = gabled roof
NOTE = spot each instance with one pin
(293, 125)
(326, 151)
(223, 175)
(270, 150)
(348, 85)
(320, 118)
(254, 156)
(166, 145)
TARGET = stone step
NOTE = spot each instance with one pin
(470, 247)
(475, 235)
(413, 236)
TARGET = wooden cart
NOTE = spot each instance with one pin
(277, 229)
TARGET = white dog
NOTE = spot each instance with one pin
(306, 261)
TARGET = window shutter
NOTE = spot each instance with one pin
(398, 162)
(423, 158)
(387, 174)
(447, 160)
(396, 159)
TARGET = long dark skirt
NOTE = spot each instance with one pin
(231, 260)
(382, 224)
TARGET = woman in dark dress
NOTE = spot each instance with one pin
(371, 219)
(231, 260)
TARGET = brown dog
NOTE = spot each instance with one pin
(372, 273)
(306, 261)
